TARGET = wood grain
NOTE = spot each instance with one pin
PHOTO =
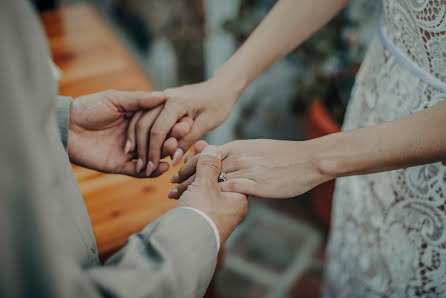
(92, 60)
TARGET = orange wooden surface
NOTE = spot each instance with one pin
(92, 60)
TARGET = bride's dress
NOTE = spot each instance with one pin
(388, 235)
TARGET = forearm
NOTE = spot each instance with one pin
(174, 256)
(413, 140)
(287, 25)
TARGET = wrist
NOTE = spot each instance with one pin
(230, 83)
(331, 157)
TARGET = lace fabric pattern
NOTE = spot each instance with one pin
(417, 27)
(388, 236)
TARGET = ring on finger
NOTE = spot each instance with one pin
(222, 177)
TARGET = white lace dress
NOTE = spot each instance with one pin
(388, 235)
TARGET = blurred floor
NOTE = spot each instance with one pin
(278, 251)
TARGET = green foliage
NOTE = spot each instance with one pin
(330, 58)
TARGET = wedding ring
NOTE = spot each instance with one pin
(222, 177)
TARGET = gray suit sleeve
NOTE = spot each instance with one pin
(63, 105)
(47, 247)
(175, 256)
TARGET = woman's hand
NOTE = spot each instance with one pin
(208, 103)
(138, 139)
(262, 168)
(99, 124)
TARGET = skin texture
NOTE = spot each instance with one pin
(209, 103)
(99, 124)
(226, 209)
(262, 168)
(138, 136)
(284, 169)
(187, 102)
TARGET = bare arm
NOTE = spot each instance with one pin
(288, 24)
(209, 103)
(417, 139)
(285, 169)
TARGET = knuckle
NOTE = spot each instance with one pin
(209, 163)
(234, 143)
(155, 133)
(140, 124)
(230, 163)
(231, 185)
(182, 173)
(168, 92)
(235, 184)
(182, 187)
(110, 92)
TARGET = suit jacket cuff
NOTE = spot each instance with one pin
(211, 223)
(63, 105)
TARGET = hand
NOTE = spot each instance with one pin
(208, 104)
(138, 138)
(98, 130)
(226, 209)
(262, 168)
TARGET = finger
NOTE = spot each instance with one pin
(129, 168)
(187, 170)
(182, 127)
(179, 130)
(188, 157)
(169, 147)
(199, 146)
(188, 120)
(239, 185)
(143, 127)
(243, 173)
(130, 101)
(130, 144)
(163, 124)
(178, 191)
(177, 156)
(209, 165)
(162, 168)
(191, 163)
(199, 129)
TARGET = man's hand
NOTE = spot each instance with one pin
(99, 128)
(226, 209)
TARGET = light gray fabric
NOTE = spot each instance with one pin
(47, 243)
(63, 104)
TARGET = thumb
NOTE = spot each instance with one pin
(209, 165)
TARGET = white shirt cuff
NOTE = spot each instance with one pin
(209, 220)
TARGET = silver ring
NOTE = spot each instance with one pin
(222, 177)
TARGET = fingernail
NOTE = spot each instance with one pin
(128, 144)
(149, 168)
(177, 156)
(175, 178)
(139, 165)
(157, 93)
(210, 150)
(173, 193)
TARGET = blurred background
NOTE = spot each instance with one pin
(278, 251)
